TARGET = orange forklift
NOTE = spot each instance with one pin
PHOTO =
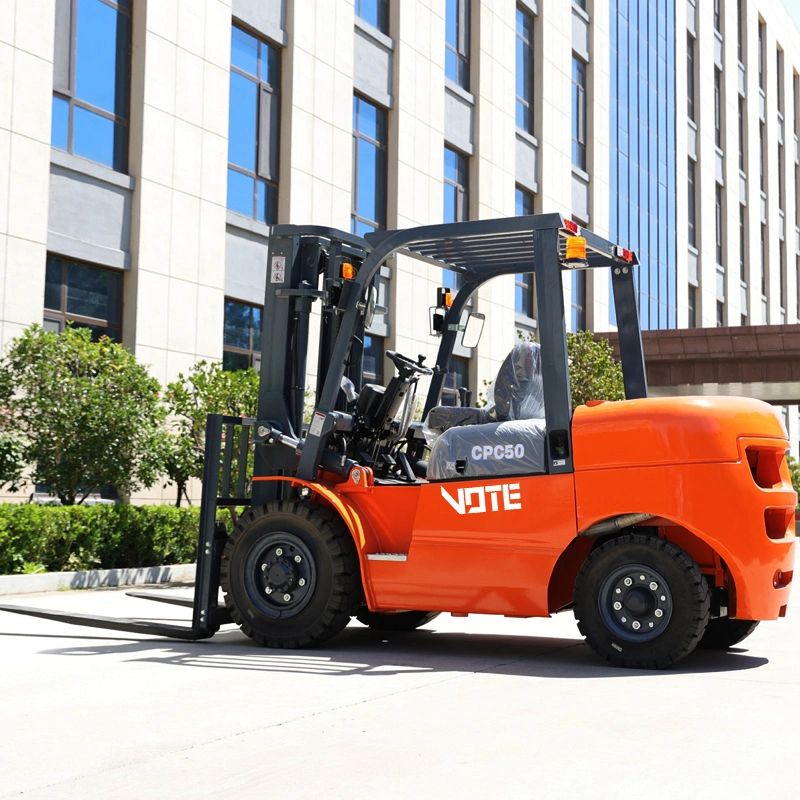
(663, 524)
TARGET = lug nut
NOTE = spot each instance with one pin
(298, 559)
(301, 582)
(617, 606)
(287, 597)
(263, 567)
(663, 598)
(636, 626)
(268, 590)
(624, 619)
(619, 591)
(628, 581)
(641, 578)
(659, 612)
(651, 624)
(279, 551)
(653, 585)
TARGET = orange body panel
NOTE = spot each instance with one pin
(490, 546)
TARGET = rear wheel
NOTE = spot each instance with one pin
(402, 621)
(724, 632)
(290, 574)
(641, 602)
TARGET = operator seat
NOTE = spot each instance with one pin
(504, 438)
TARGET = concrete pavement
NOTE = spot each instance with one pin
(478, 707)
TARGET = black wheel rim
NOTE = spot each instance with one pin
(280, 575)
(635, 603)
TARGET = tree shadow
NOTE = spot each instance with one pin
(362, 651)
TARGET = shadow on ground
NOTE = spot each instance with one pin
(361, 651)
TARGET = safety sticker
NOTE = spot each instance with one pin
(278, 270)
(317, 423)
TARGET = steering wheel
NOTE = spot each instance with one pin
(405, 363)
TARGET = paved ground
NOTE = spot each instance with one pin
(479, 707)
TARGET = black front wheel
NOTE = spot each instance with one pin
(290, 574)
(724, 632)
(641, 602)
(401, 621)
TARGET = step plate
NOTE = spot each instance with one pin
(386, 557)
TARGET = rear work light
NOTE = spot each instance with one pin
(623, 253)
(348, 271)
(572, 227)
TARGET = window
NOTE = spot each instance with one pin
(717, 16)
(372, 363)
(779, 78)
(764, 260)
(742, 244)
(254, 128)
(578, 305)
(741, 136)
(86, 296)
(692, 306)
(456, 197)
(761, 156)
(690, 76)
(718, 108)
(782, 277)
(523, 288)
(375, 12)
(761, 70)
(369, 167)
(91, 76)
(719, 223)
(720, 313)
(692, 205)
(241, 338)
(579, 113)
(457, 377)
(739, 29)
(524, 71)
(456, 54)
(781, 180)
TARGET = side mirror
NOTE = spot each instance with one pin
(473, 330)
(369, 309)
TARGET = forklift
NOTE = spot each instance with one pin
(663, 523)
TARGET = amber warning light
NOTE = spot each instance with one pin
(348, 271)
(576, 250)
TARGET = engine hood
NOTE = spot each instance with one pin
(668, 430)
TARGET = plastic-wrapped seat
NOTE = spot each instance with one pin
(504, 438)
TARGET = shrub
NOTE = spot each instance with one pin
(97, 537)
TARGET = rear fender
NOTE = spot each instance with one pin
(360, 529)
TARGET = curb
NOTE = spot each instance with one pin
(92, 579)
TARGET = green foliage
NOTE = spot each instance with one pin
(86, 413)
(207, 389)
(794, 471)
(593, 372)
(34, 538)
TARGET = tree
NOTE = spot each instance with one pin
(207, 389)
(85, 414)
(593, 372)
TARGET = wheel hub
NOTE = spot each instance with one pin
(635, 603)
(283, 574)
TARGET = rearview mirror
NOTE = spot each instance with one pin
(369, 311)
(473, 330)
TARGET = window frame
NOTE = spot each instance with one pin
(268, 136)
(62, 316)
(718, 107)
(579, 113)
(253, 354)
(691, 78)
(461, 48)
(382, 177)
(66, 90)
(382, 15)
(691, 182)
(526, 103)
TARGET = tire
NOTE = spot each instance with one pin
(294, 550)
(402, 621)
(724, 632)
(651, 628)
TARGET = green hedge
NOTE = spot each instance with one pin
(65, 538)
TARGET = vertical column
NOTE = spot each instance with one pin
(179, 130)
(26, 92)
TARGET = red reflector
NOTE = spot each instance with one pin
(624, 254)
(571, 226)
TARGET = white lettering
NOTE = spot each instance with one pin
(476, 452)
(487, 451)
(500, 451)
(510, 496)
(472, 500)
(519, 450)
(458, 505)
(477, 491)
